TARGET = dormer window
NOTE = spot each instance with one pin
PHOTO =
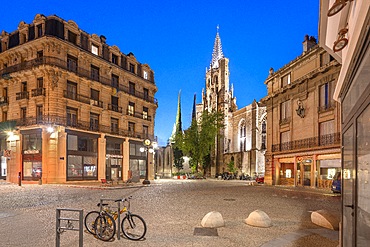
(94, 49)
(132, 68)
(39, 30)
(114, 59)
(285, 80)
(72, 37)
(145, 75)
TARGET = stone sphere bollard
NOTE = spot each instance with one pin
(213, 220)
(258, 218)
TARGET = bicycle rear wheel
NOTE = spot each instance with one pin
(133, 227)
(105, 227)
(90, 221)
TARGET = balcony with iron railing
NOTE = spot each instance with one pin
(115, 108)
(285, 120)
(78, 97)
(308, 143)
(139, 115)
(22, 95)
(38, 92)
(81, 125)
(4, 101)
(326, 107)
(79, 70)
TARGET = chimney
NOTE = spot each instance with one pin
(308, 43)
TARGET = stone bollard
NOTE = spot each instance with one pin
(325, 219)
(213, 220)
(258, 218)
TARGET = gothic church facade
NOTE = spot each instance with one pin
(243, 138)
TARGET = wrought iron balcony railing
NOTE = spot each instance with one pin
(22, 95)
(313, 142)
(115, 108)
(79, 70)
(326, 107)
(285, 120)
(38, 92)
(139, 115)
(4, 101)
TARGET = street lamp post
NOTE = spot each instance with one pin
(148, 149)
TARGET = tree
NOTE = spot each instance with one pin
(231, 166)
(177, 152)
(199, 139)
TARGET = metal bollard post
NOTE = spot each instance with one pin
(19, 179)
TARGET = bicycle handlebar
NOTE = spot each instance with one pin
(123, 199)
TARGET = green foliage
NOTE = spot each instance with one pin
(178, 158)
(231, 167)
(199, 139)
(177, 151)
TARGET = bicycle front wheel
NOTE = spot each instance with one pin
(133, 227)
(105, 227)
(90, 221)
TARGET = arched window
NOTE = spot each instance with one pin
(242, 135)
(263, 135)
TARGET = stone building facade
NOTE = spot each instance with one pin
(246, 143)
(72, 107)
(303, 120)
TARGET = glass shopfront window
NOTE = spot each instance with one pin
(82, 167)
(82, 161)
(32, 155)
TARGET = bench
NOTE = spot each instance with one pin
(104, 182)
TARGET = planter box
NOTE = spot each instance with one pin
(179, 177)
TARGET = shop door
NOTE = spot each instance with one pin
(363, 177)
(307, 175)
(348, 184)
(114, 173)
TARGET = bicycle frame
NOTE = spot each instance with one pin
(115, 214)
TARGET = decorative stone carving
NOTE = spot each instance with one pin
(95, 37)
(38, 18)
(54, 78)
(22, 25)
(73, 24)
(115, 48)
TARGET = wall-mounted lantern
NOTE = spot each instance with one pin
(341, 41)
(337, 6)
(300, 110)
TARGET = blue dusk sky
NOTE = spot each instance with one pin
(176, 39)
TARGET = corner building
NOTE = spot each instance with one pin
(303, 120)
(72, 107)
(345, 34)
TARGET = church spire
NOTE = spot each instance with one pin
(178, 116)
(177, 127)
(194, 113)
(217, 50)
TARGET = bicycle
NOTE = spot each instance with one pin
(102, 224)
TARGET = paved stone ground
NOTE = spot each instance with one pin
(172, 209)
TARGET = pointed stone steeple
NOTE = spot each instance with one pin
(217, 50)
(194, 113)
(177, 127)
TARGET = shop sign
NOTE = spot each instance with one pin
(117, 156)
(31, 151)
